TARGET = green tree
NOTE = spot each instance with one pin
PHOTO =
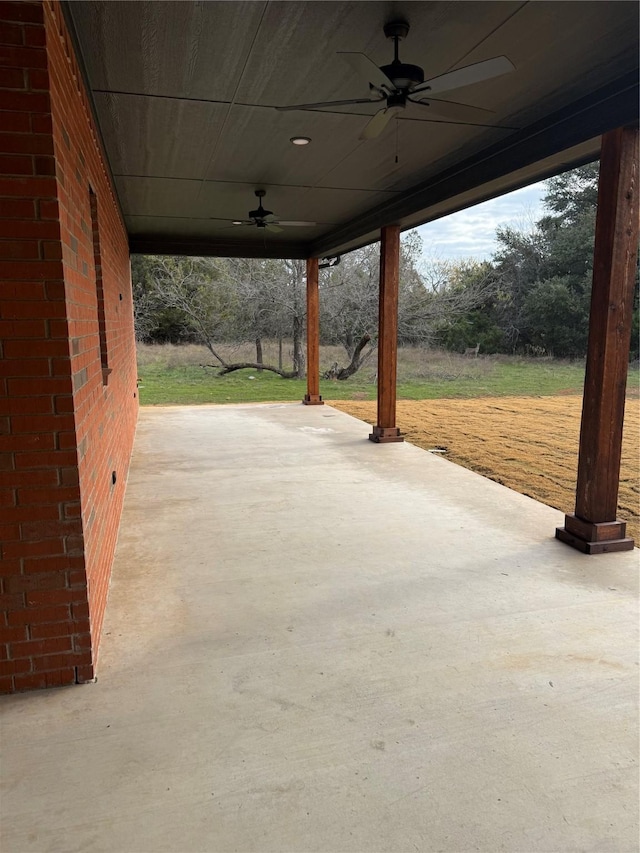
(518, 263)
(573, 194)
(468, 305)
(545, 274)
(558, 317)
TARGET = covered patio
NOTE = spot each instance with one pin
(154, 127)
(315, 643)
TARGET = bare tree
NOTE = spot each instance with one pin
(273, 304)
(431, 295)
(349, 308)
(448, 290)
(220, 300)
(201, 290)
(293, 302)
(256, 283)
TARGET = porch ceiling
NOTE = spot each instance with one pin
(184, 94)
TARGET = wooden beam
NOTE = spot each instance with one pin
(385, 429)
(312, 397)
(594, 527)
(209, 247)
(602, 110)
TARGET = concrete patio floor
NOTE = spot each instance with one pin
(315, 643)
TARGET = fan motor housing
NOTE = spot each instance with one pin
(397, 99)
(260, 213)
(403, 75)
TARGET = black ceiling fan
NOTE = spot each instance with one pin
(400, 83)
(261, 218)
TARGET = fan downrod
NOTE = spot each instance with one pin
(259, 215)
(403, 75)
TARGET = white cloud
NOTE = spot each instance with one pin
(471, 233)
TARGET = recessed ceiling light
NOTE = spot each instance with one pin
(300, 140)
(237, 222)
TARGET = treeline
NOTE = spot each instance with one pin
(541, 278)
(532, 298)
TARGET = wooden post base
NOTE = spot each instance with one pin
(594, 537)
(313, 400)
(384, 435)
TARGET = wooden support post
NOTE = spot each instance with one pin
(594, 528)
(312, 397)
(385, 429)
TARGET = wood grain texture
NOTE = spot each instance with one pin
(615, 253)
(313, 334)
(388, 326)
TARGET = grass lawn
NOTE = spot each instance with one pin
(484, 410)
(172, 375)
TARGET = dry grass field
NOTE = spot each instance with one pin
(528, 444)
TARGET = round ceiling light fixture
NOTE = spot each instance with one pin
(300, 140)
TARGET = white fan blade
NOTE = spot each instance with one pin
(292, 223)
(452, 110)
(330, 104)
(475, 73)
(368, 70)
(275, 229)
(378, 123)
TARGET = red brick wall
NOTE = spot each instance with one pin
(66, 426)
(105, 406)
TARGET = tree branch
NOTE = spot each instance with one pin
(243, 365)
(340, 373)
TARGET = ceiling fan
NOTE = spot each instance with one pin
(400, 84)
(261, 218)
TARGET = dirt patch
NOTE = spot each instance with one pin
(528, 444)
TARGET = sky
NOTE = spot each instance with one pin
(471, 233)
